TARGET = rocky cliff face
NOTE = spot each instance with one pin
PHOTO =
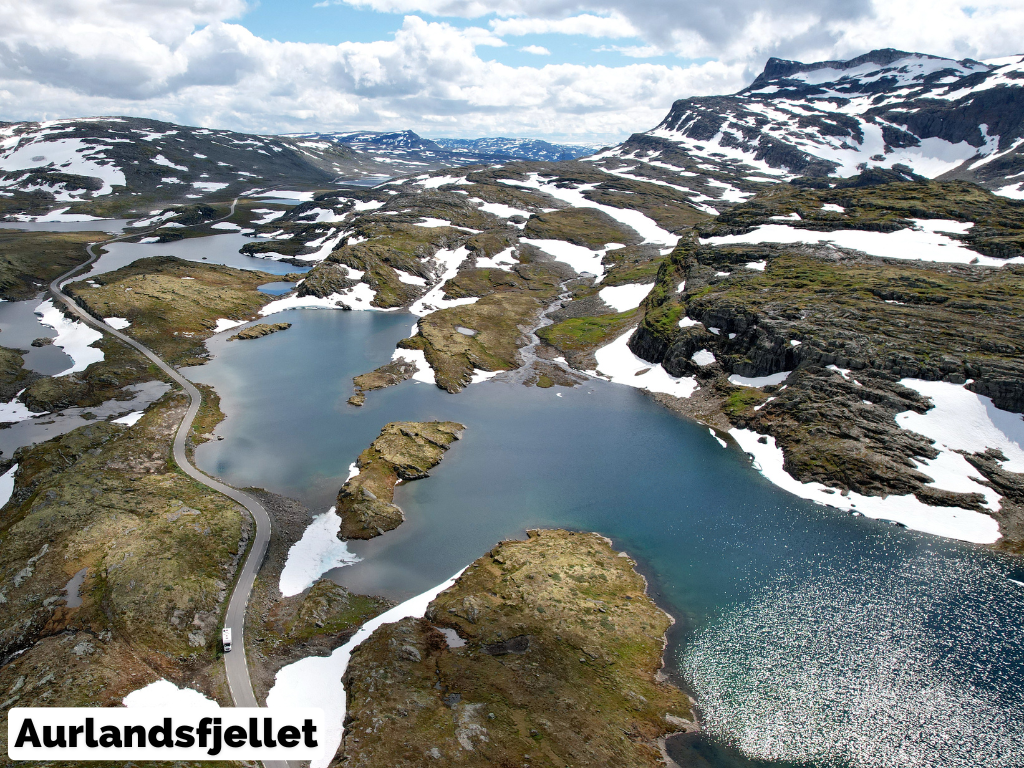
(940, 117)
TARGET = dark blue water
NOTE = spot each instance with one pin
(787, 610)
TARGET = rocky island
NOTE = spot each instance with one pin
(404, 451)
(545, 652)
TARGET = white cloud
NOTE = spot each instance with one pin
(536, 50)
(186, 61)
(614, 26)
(634, 51)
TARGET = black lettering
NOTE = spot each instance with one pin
(90, 738)
(288, 736)
(215, 750)
(204, 730)
(268, 733)
(27, 732)
(234, 736)
(308, 730)
(73, 731)
(164, 732)
(254, 739)
(54, 742)
(110, 736)
(139, 731)
(185, 737)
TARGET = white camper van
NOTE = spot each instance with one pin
(225, 639)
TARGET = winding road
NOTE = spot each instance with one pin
(235, 663)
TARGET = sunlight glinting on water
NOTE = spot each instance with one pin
(848, 669)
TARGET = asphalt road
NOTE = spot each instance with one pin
(234, 662)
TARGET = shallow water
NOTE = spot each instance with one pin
(113, 226)
(215, 249)
(776, 597)
(277, 288)
(47, 426)
(20, 326)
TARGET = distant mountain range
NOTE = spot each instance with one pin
(403, 147)
(937, 117)
(898, 112)
(83, 159)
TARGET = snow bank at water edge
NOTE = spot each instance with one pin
(623, 298)
(318, 551)
(223, 324)
(424, 373)
(356, 298)
(316, 681)
(163, 694)
(58, 216)
(923, 243)
(15, 411)
(73, 337)
(617, 363)
(951, 522)
(287, 194)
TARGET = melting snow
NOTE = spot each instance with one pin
(316, 681)
(759, 381)
(163, 694)
(75, 338)
(617, 363)
(130, 420)
(7, 485)
(318, 551)
(951, 522)
(623, 298)
(926, 242)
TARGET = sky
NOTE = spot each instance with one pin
(573, 71)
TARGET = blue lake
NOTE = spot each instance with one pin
(810, 636)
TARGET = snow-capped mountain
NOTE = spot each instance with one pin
(516, 149)
(81, 159)
(939, 117)
(406, 151)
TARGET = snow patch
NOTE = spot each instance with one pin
(73, 337)
(925, 242)
(316, 681)
(759, 381)
(617, 363)
(318, 551)
(950, 522)
(7, 485)
(163, 694)
(623, 298)
(223, 324)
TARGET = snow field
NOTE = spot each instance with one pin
(318, 551)
(316, 681)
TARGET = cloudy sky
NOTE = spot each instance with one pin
(567, 70)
